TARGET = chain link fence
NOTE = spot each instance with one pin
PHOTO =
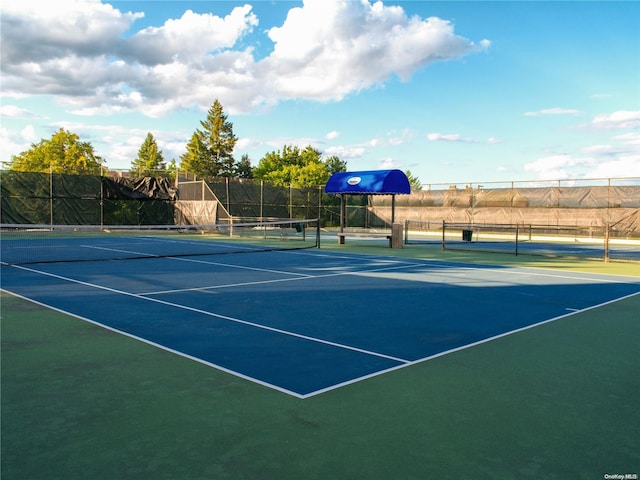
(47, 198)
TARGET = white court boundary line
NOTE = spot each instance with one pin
(404, 263)
(157, 345)
(211, 314)
(299, 277)
(471, 345)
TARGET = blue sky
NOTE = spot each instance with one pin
(454, 91)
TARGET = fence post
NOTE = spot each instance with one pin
(101, 198)
(444, 226)
(51, 196)
(319, 203)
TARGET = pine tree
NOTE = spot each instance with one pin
(196, 159)
(243, 168)
(149, 160)
(215, 149)
(414, 181)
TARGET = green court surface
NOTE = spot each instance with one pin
(558, 401)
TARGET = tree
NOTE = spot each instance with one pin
(63, 153)
(295, 167)
(413, 181)
(196, 158)
(243, 168)
(214, 146)
(335, 165)
(149, 160)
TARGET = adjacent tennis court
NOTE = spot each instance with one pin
(302, 321)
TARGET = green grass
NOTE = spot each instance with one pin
(554, 402)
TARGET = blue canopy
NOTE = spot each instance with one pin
(372, 182)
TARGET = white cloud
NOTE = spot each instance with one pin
(34, 32)
(457, 138)
(332, 135)
(28, 134)
(87, 54)
(345, 152)
(439, 137)
(631, 138)
(389, 163)
(624, 166)
(13, 143)
(328, 49)
(247, 144)
(617, 120)
(553, 111)
(554, 167)
(11, 111)
(595, 161)
(192, 36)
(601, 150)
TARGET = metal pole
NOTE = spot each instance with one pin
(51, 196)
(261, 200)
(101, 199)
(393, 209)
(444, 226)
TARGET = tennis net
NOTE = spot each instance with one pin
(589, 242)
(30, 244)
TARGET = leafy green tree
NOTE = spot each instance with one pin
(149, 160)
(214, 147)
(335, 165)
(63, 153)
(413, 181)
(298, 168)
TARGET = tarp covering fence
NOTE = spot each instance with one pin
(43, 198)
(51, 198)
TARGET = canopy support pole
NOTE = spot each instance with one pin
(343, 212)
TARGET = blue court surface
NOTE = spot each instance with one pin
(305, 322)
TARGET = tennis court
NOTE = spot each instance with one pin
(327, 378)
(304, 321)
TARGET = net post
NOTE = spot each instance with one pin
(517, 231)
(606, 242)
(318, 233)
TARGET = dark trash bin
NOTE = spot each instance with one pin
(467, 235)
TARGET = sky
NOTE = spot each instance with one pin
(454, 91)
